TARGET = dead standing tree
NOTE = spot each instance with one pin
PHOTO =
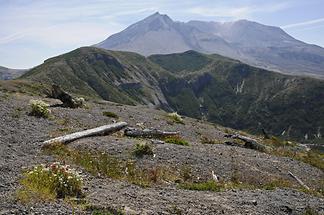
(67, 99)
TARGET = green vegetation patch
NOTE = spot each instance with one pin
(98, 163)
(110, 114)
(221, 186)
(284, 148)
(312, 157)
(187, 61)
(202, 186)
(176, 140)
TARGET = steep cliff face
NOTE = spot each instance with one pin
(243, 97)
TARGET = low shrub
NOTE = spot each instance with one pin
(78, 102)
(175, 117)
(228, 131)
(17, 112)
(141, 149)
(50, 182)
(176, 140)
(39, 108)
(110, 114)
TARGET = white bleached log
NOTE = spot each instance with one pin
(102, 130)
(215, 178)
(299, 181)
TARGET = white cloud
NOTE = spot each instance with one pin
(70, 22)
(237, 12)
(32, 31)
(304, 24)
(221, 12)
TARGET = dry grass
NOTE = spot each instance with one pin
(314, 158)
(206, 140)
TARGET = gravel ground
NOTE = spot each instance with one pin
(21, 138)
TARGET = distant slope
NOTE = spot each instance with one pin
(259, 45)
(243, 97)
(116, 76)
(187, 61)
(210, 87)
(7, 74)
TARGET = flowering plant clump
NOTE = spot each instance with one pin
(54, 180)
(39, 108)
(176, 117)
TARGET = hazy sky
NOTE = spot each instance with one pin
(34, 30)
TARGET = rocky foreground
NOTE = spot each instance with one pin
(21, 141)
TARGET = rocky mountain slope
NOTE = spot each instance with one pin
(7, 74)
(263, 185)
(243, 97)
(210, 87)
(123, 77)
(259, 45)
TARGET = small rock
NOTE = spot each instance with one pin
(286, 209)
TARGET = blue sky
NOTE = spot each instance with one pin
(34, 30)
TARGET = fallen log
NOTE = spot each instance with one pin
(102, 130)
(149, 133)
(248, 142)
(299, 181)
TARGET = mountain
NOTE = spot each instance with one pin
(259, 45)
(210, 87)
(7, 74)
